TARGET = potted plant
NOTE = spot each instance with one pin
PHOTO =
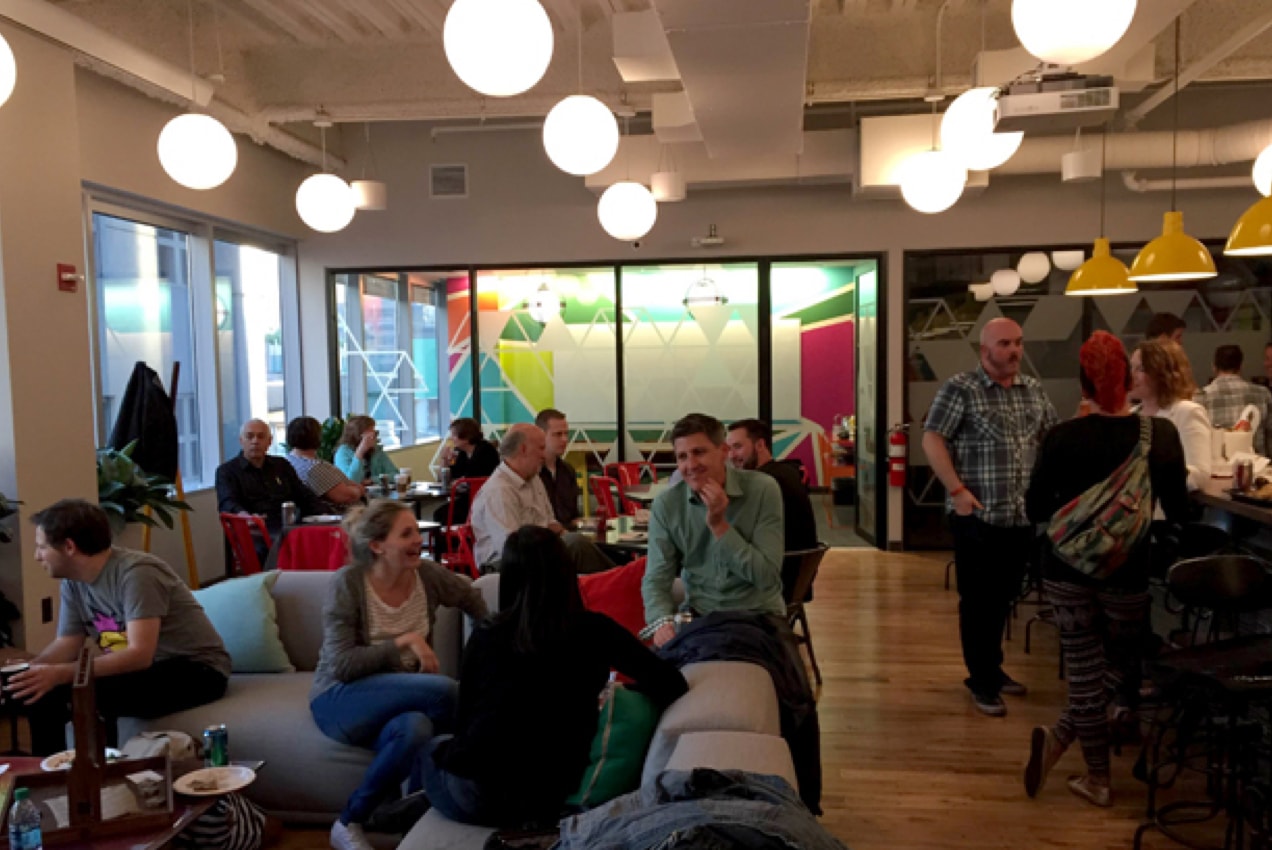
(124, 490)
(332, 431)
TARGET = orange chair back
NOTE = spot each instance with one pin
(604, 489)
(238, 530)
(314, 547)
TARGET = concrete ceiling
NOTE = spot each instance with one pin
(381, 60)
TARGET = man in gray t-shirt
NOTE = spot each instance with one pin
(159, 652)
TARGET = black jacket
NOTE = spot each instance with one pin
(145, 415)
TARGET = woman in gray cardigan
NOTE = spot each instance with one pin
(377, 684)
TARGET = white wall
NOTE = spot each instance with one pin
(522, 210)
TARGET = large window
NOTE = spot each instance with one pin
(390, 330)
(171, 291)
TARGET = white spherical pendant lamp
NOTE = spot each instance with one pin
(1070, 32)
(325, 203)
(932, 181)
(499, 48)
(580, 135)
(8, 71)
(1005, 282)
(967, 131)
(627, 210)
(197, 151)
(1034, 267)
(1263, 172)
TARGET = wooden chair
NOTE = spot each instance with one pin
(238, 531)
(314, 547)
(604, 489)
(628, 472)
(804, 566)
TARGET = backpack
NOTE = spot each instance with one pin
(1096, 532)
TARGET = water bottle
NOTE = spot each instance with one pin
(24, 823)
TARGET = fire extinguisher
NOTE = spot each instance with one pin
(897, 440)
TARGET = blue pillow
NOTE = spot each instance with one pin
(242, 612)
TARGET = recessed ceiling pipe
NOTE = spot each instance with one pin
(1143, 184)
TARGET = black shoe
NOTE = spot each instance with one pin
(991, 704)
(1011, 687)
(397, 817)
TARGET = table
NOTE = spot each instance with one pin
(418, 494)
(646, 493)
(614, 528)
(1215, 495)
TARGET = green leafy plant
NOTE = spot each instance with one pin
(124, 490)
(332, 431)
(8, 507)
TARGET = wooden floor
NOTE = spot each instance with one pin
(908, 762)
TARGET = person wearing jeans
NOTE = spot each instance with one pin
(981, 436)
(378, 684)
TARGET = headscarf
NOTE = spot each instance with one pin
(1105, 364)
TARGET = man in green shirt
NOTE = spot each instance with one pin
(720, 529)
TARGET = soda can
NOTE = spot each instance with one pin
(216, 746)
(290, 513)
(1243, 475)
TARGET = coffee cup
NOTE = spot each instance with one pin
(7, 673)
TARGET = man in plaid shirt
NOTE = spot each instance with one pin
(981, 436)
(1229, 394)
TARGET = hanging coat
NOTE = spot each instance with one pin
(146, 415)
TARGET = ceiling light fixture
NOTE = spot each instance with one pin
(1262, 172)
(8, 71)
(544, 305)
(704, 293)
(580, 134)
(981, 291)
(324, 201)
(498, 48)
(932, 181)
(194, 149)
(1034, 267)
(1252, 235)
(1073, 31)
(967, 131)
(1005, 282)
(1103, 274)
(1173, 256)
(627, 210)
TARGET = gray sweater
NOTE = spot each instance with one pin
(347, 652)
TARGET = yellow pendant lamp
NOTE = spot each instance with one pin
(1252, 237)
(1173, 256)
(1103, 274)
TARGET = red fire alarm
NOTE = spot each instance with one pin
(67, 278)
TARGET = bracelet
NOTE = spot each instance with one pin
(962, 488)
(648, 632)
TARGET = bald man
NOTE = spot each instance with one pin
(981, 436)
(256, 482)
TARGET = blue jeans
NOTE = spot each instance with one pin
(458, 798)
(393, 714)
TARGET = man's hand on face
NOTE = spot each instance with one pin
(716, 501)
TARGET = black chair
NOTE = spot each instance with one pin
(1219, 588)
(803, 566)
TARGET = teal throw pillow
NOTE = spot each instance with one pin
(625, 728)
(242, 612)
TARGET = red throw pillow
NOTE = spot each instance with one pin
(616, 594)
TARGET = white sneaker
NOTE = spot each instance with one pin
(348, 836)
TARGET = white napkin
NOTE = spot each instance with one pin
(1259, 462)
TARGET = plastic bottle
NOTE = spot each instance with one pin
(24, 823)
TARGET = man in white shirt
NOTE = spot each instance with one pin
(514, 496)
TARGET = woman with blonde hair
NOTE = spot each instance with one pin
(1162, 381)
(359, 454)
(378, 684)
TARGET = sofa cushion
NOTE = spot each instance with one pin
(307, 776)
(728, 696)
(243, 613)
(616, 594)
(435, 832)
(747, 751)
(298, 598)
(626, 723)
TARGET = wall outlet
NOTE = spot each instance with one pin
(46, 609)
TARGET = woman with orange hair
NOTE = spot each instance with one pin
(1100, 599)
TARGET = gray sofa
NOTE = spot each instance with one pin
(728, 719)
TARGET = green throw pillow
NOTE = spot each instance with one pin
(242, 612)
(626, 726)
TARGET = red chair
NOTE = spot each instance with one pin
(238, 530)
(628, 472)
(314, 547)
(457, 540)
(604, 488)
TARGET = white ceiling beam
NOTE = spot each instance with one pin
(282, 19)
(413, 13)
(334, 21)
(1195, 71)
(373, 14)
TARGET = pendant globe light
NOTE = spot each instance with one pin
(8, 71)
(627, 210)
(1103, 274)
(967, 131)
(932, 181)
(325, 202)
(580, 134)
(1263, 172)
(498, 48)
(195, 149)
(1173, 256)
(1069, 32)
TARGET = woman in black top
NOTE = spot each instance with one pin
(529, 692)
(471, 456)
(1101, 621)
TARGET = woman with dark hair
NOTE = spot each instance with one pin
(359, 454)
(470, 455)
(1100, 602)
(304, 435)
(529, 687)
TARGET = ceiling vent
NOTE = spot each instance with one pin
(448, 181)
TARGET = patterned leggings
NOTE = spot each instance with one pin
(1101, 635)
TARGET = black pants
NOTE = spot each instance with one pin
(163, 688)
(990, 563)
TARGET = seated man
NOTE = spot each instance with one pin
(304, 435)
(258, 483)
(160, 653)
(1228, 395)
(721, 529)
(558, 476)
(514, 497)
(750, 447)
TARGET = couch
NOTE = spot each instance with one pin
(728, 719)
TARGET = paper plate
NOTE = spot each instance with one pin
(62, 760)
(229, 778)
